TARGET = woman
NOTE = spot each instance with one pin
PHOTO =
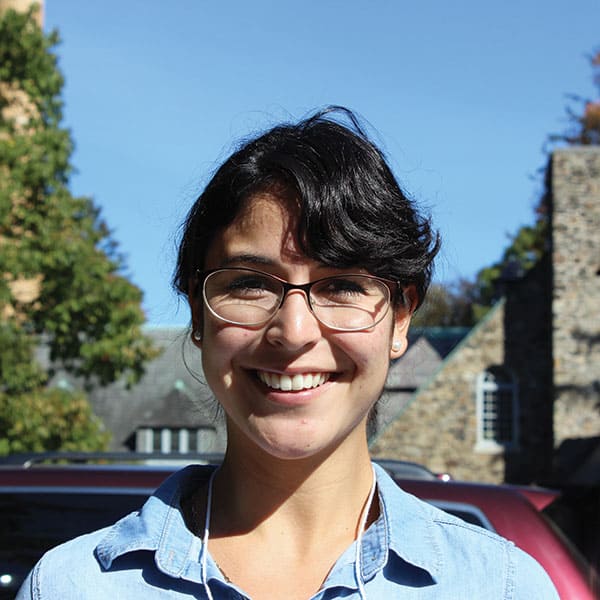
(303, 262)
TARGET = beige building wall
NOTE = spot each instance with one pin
(23, 6)
(18, 108)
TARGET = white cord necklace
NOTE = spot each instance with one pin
(205, 536)
(358, 557)
(359, 536)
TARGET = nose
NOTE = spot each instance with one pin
(294, 326)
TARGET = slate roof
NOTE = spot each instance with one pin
(413, 368)
(177, 409)
(443, 339)
(172, 392)
(427, 348)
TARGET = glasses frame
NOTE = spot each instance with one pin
(392, 286)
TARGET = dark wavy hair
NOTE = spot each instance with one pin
(351, 209)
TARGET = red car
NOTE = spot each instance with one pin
(35, 500)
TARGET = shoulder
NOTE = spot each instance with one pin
(492, 556)
(65, 571)
(81, 567)
(457, 554)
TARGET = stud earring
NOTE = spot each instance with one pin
(197, 335)
(396, 346)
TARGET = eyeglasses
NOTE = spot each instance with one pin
(251, 298)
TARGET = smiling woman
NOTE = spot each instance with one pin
(303, 262)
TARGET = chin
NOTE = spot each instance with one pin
(290, 449)
(295, 445)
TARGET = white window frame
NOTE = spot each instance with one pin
(496, 380)
(205, 438)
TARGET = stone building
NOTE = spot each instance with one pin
(525, 383)
(576, 293)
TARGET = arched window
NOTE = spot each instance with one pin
(497, 410)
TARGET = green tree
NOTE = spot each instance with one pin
(526, 247)
(49, 419)
(446, 305)
(61, 276)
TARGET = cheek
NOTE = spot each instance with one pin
(370, 353)
(222, 344)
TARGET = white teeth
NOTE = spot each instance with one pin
(300, 381)
(296, 382)
(285, 383)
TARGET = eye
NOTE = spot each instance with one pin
(342, 289)
(343, 286)
(249, 285)
(244, 282)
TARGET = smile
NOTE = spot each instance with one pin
(292, 383)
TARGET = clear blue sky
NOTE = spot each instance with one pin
(461, 96)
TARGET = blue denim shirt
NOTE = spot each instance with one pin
(413, 551)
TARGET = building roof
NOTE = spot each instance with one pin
(171, 393)
(442, 339)
(414, 367)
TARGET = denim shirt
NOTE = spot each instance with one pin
(413, 551)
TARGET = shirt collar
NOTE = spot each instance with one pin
(410, 529)
(404, 528)
(160, 527)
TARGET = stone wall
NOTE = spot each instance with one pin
(438, 428)
(576, 297)
(528, 356)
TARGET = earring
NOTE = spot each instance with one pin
(396, 346)
(197, 335)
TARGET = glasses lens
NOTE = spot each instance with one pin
(350, 302)
(242, 296)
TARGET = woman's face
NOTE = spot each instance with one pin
(348, 368)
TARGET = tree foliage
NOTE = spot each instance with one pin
(49, 420)
(530, 242)
(61, 276)
(526, 247)
(446, 305)
(584, 120)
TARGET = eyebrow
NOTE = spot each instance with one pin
(247, 259)
(255, 260)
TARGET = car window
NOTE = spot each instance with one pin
(35, 521)
(466, 512)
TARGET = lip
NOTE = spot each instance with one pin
(293, 397)
(293, 382)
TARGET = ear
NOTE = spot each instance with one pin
(402, 318)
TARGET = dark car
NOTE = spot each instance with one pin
(43, 505)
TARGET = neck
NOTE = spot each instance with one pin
(256, 492)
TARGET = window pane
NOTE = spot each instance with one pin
(174, 440)
(497, 398)
(193, 440)
(156, 437)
